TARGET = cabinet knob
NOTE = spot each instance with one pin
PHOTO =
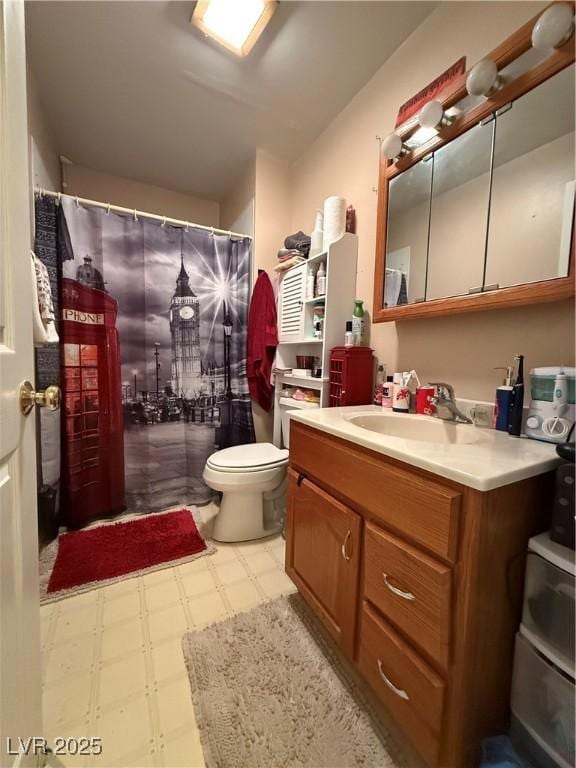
(398, 691)
(396, 591)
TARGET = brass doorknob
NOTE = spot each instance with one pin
(48, 398)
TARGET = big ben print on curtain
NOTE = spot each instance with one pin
(153, 353)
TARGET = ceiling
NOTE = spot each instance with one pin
(132, 88)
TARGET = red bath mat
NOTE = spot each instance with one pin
(94, 557)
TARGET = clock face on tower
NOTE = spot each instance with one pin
(186, 313)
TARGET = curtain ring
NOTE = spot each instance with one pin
(77, 202)
(59, 197)
(107, 209)
(163, 222)
(187, 225)
(135, 216)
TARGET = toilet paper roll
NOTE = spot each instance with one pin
(334, 220)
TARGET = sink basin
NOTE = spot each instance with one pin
(422, 429)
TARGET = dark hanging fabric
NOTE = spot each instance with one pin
(153, 338)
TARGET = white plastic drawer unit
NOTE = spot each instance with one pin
(548, 613)
(543, 701)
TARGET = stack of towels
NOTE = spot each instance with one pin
(295, 251)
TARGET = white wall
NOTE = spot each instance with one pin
(44, 163)
(107, 188)
(263, 191)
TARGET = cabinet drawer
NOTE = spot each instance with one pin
(411, 691)
(549, 610)
(421, 509)
(412, 589)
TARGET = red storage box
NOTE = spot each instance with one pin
(351, 376)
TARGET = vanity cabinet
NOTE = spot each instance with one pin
(419, 580)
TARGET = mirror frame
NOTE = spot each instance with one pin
(554, 289)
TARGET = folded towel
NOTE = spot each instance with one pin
(299, 241)
(292, 262)
(284, 254)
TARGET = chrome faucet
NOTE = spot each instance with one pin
(445, 403)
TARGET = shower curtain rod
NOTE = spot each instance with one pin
(136, 213)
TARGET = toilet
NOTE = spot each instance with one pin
(252, 480)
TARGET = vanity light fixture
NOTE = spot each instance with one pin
(554, 28)
(483, 79)
(235, 24)
(432, 115)
(393, 147)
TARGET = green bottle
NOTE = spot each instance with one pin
(358, 323)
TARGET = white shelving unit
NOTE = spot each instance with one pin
(295, 321)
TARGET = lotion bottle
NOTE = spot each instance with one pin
(349, 336)
(388, 392)
(321, 280)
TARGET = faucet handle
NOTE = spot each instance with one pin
(445, 390)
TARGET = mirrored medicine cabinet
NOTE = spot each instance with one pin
(482, 216)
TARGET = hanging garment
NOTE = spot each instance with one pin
(43, 316)
(47, 372)
(262, 341)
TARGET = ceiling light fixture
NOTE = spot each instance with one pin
(483, 79)
(554, 28)
(235, 24)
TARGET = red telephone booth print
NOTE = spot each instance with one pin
(92, 444)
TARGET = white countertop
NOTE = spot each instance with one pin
(493, 458)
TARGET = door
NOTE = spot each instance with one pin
(323, 556)
(291, 314)
(20, 682)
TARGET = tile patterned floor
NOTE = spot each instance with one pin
(113, 664)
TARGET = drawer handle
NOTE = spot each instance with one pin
(345, 554)
(398, 691)
(396, 591)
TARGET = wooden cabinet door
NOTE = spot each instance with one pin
(323, 556)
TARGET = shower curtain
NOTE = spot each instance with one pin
(153, 322)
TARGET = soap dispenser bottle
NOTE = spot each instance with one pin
(503, 401)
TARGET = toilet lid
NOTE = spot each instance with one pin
(247, 458)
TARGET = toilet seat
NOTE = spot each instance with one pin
(254, 457)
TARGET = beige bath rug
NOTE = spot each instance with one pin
(269, 692)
